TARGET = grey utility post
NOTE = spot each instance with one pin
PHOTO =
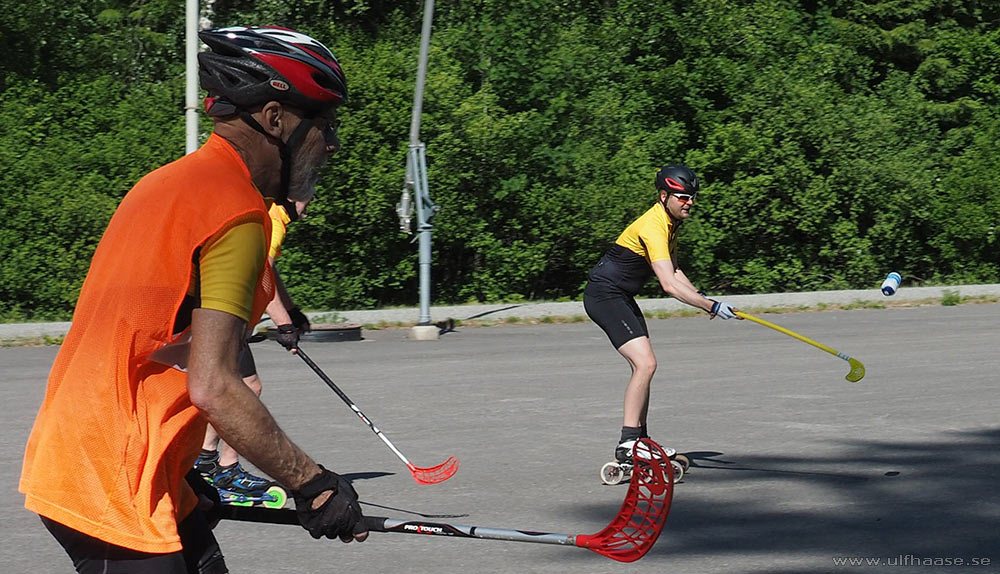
(416, 180)
(191, 16)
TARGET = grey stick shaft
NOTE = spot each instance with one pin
(461, 531)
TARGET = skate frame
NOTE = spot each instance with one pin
(432, 475)
(857, 369)
(629, 536)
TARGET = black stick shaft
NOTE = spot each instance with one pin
(382, 524)
(332, 385)
(279, 516)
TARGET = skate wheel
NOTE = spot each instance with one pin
(678, 470)
(612, 473)
(280, 497)
(684, 460)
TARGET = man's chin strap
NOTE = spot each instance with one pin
(672, 219)
(286, 149)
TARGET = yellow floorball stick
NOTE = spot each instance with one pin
(857, 369)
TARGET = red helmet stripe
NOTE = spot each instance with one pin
(300, 76)
(673, 184)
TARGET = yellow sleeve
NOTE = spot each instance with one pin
(229, 267)
(279, 226)
(655, 236)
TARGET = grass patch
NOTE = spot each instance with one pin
(332, 317)
(43, 341)
(976, 299)
(863, 305)
(950, 297)
(665, 314)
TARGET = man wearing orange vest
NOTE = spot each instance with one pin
(177, 279)
(218, 462)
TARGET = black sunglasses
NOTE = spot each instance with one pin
(330, 132)
(329, 126)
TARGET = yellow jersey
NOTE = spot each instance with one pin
(626, 266)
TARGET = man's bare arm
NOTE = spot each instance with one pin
(674, 283)
(216, 389)
(679, 274)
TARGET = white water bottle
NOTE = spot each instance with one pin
(890, 284)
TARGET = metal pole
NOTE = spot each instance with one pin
(417, 172)
(418, 96)
(191, 76)
(425, 211)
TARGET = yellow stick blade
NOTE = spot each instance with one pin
(857, 370)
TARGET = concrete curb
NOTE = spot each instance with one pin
(501, 311)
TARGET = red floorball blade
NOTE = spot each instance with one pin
(639, 522)
(435, 474)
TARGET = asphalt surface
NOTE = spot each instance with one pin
(796, 468)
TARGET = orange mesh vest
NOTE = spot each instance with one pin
(116, 433)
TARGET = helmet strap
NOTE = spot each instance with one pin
(286, 150)
(665, 198)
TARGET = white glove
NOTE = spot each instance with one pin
(723, 310)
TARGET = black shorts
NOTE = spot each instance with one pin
(614, 311)
(246, 363)
(200, 555)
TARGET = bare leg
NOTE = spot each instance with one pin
(211, 441)
(639, 354)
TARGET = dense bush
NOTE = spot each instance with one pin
(836, 139)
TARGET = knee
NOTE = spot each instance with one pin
(645, 365)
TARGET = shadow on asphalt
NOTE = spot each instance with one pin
(490, 312)
(708, 460)
(880, 500)
(351, 477)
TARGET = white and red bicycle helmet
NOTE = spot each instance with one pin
(252, 66)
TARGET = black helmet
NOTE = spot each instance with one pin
(677, 179)
(251, 66)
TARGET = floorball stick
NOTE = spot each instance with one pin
(626, 539)
(432, 475)
(857, 369)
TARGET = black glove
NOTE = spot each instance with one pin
(288, 336)
(208, 497)
(340, 516)
(299, 319)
